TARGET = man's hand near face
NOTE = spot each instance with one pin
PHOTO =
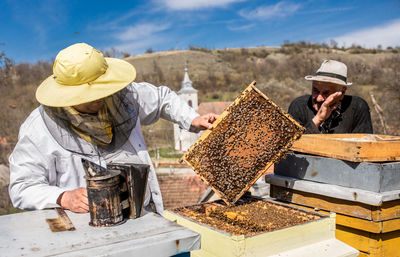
(74, 200)
(329, 105)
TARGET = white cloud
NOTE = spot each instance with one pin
(195, 4)
(280, 9)
(329, 10)
(241, 28)
(141, 31)
(136, 39)
(384, 35)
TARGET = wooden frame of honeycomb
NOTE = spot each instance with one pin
(247, 138)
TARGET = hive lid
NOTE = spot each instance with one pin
(351, 147)
(247, 138)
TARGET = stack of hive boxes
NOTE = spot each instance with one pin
(357, 176)
(245, 141)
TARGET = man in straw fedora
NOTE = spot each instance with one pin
(90, 108)
(328, 109)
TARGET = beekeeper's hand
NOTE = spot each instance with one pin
(205, 121)
(74, 200)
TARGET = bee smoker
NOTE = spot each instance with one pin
(132, 187)
(116, 193)
(103, 189)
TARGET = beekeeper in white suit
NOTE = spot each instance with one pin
(90, 108)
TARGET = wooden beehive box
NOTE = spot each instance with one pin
(372, 228)
(247, 138)
(351, 147)
(250, 216)
(267, 228)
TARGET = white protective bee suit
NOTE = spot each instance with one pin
(41, 169)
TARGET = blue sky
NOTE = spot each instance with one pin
(32, 30)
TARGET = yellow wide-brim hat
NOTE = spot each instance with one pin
(81, 74)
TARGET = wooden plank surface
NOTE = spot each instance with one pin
(387, 211)
(351, 147)
(28, 234)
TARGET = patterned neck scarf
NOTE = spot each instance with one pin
(121, 110)
(94, 128)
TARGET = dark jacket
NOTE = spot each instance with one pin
(352, 116)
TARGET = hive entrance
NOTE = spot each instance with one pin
(250, 135)
(249, 217)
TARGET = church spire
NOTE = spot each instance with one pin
(186, 83)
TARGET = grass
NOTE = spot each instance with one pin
(10, 210)
(166, 153)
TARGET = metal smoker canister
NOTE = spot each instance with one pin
(133, 189)
(104, 197)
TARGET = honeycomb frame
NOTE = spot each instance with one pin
(232, 156)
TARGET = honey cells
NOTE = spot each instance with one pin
(253, 134)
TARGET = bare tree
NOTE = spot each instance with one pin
(379, 111)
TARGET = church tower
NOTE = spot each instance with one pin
(187, 92)
(184, 139)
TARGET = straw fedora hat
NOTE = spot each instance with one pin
(81, 74)
(331, 71)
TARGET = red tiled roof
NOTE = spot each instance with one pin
(185, 189)
(181, 189)
(215, 107)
